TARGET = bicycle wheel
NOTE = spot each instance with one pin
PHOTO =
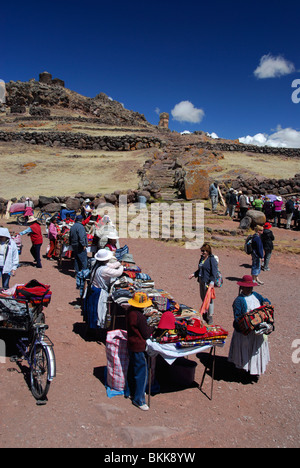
(21, 220)
(39, 371)
(43, 218)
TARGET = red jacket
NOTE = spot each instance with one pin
(36, 234)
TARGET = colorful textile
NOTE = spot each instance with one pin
(34, 291)
(210, 294)
(251, 320)
(119, 253)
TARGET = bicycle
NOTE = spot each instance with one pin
(33, 345)
(38, 352)
(42, 216)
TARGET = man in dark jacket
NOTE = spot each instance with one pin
(138, 332)
(267, 238)
(78, 242)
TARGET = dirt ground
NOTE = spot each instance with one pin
(79, 413)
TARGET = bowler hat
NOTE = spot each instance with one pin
(247, 282)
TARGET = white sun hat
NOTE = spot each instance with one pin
(102, 255)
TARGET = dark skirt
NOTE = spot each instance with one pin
(90, 306)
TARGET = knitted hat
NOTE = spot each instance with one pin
(167, 321)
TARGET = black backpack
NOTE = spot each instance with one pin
(248, 245)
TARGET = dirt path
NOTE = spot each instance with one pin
(79, 413)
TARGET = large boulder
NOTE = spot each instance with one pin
(196, 183)
(43, 200)
(52, 207)
(252, 219)
(73, 203)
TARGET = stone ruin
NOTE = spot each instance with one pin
(46, 78)
(164, 120)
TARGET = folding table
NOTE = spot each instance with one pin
(170, 353)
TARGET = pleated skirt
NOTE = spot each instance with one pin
(250, 352)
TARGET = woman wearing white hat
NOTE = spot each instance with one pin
(9, 257)
(112, 239)
(103, 274)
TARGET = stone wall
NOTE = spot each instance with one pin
(262, 186)
(83, 141)
(285, 152)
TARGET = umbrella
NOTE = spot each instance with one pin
(271, 197)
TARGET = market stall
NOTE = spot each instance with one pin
(184, 336)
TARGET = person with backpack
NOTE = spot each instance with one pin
(206, 275)
(267, 238)
(257, 254)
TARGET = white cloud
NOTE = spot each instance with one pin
(273, 67)
(282, 138)
(157, 110)
(185, 111)
(212, 135)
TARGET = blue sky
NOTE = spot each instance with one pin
(195, 60)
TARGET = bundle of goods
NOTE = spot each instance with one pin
(22, 304)
(13, 314)
(260, 320)
(34, 292)
(17, 208)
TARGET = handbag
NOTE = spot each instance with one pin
(251, 320)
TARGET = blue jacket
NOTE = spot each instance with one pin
(207, 271)
(257, 246)
(240, 306)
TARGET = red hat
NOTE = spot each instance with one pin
(167, 321)
(267, 226)
(247, 282)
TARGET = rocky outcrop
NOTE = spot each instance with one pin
(50, 93)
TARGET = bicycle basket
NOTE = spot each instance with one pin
(17, 314)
